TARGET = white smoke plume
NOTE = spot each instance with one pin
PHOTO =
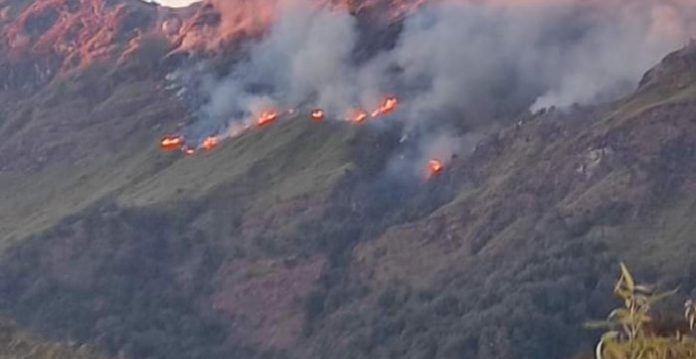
(468, 61)
(303, 60)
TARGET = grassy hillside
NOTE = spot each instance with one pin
(74, 142)
(292, 242)
(16, 344)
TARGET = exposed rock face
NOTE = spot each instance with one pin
(41, 39)
(81, 54)
(44, 38)
(672, 70)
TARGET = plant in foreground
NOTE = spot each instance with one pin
(629, 334)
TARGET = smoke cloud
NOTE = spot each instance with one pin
(467, 62)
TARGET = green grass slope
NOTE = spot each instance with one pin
(290, 242)
(243, 205)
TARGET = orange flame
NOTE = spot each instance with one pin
(210, 143)
(359, 116)
(388, 106)
(318, 115)
(171, 143)
(435, 167)
(267, 118)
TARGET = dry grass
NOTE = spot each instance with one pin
(15, 344)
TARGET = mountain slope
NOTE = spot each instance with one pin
(16, 344)
(279, 242)
(295, 241)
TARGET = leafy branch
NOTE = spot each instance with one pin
(628, 336)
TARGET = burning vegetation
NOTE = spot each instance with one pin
(388, 106)
(210, 143)
(171, 143)
(267, 118)
(359, 116)
(435, 167)
(318, 115)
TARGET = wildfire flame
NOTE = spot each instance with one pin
(318, 115)
(171, 143)
(210, 143)
(388, 106)
(359, 116)
(435, 167)
(266, 118)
